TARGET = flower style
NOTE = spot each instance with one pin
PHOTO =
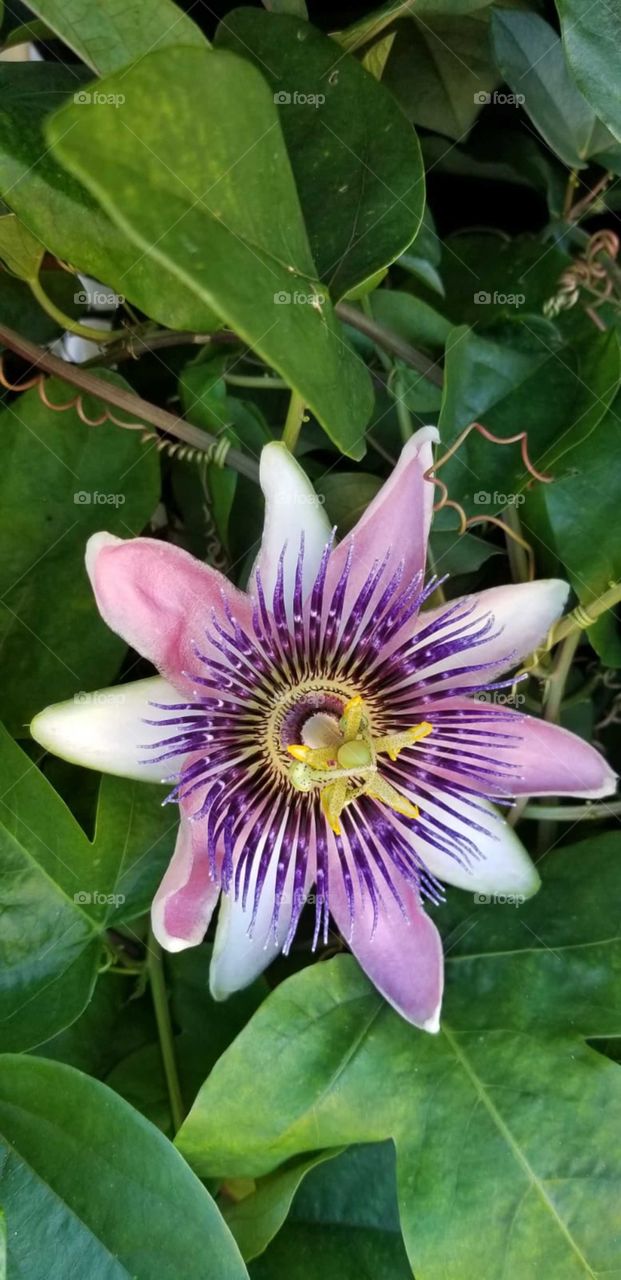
(327, 734)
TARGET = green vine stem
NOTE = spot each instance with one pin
(157, 977)
(572, 812)
(265, 383)
(134, 405)
(74, 326)
(389, 341)
(552, 700)
(293, 421)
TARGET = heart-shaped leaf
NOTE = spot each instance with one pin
(475, 1112)
(200, 201)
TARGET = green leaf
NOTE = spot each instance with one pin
(62, 890)
(113, 1024)
(521, 373)
(20, 250)
(488, 276)
(108, 35)
(476, 1110)
(355, 159)
(202, 205)
(255, 1219)
(367, 28)
(296, 7)
(592, 35)
(582, 509)
(347, 495)
(83, 1170)
(61, 481)
(531, 58)
(59, 211)
(410, 317)
(376, 56)
(344, 1222)
(440, 70)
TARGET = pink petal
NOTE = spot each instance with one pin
(541, 760)
(185, 900)
(396, 522)
(160, 599)
(523, 614)
(403, 957)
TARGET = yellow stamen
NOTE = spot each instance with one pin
(349, 770)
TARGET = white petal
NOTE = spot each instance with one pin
(503, 866)
(523, 613)
(292, 508)
(237, 958)
(105, 730)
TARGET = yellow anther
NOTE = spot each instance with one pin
(393, 743)
(345, 772)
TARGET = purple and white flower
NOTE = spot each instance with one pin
(325, 733)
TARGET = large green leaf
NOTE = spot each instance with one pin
(107, 35)
(90, 1188)
(531, 58)
(592, 35)
(60, 212)
(61, 480)
(219, 209)
(61, 890)
(355, 158)
(441, 71)
(475, 1112)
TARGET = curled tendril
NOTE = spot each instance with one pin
(466, 522)
(589, 274)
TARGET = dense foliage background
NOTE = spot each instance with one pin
(404, 215)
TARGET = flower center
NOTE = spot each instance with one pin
(307, 713)
(346, 767)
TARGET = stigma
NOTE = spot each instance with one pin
(348, 769)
